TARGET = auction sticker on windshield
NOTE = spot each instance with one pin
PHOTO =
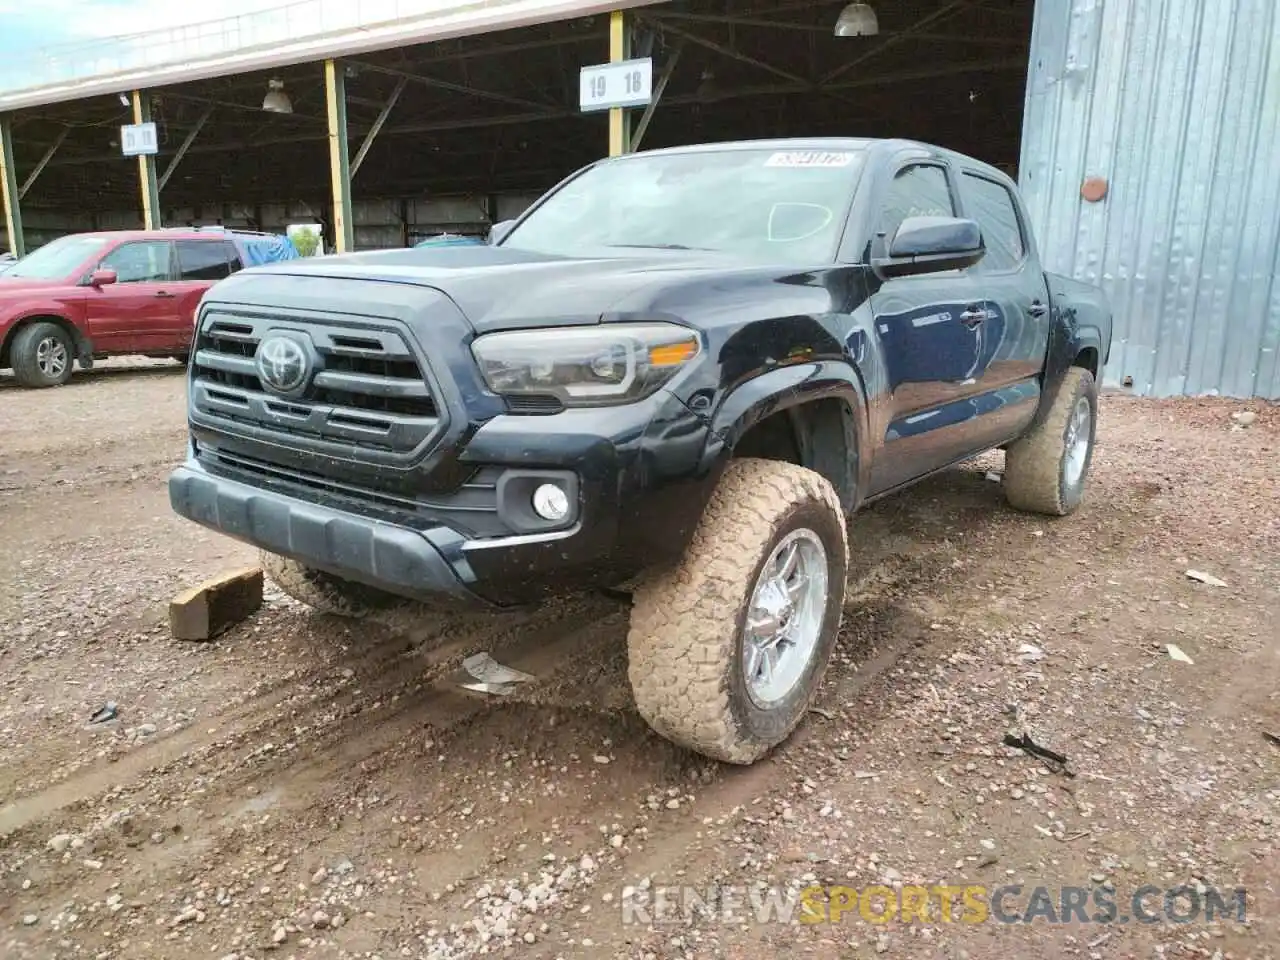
(810, 158)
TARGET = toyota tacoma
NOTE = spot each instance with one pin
(681, 370)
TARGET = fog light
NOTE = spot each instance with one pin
(550, 502)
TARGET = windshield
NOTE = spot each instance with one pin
(56, 259)
(775, 205)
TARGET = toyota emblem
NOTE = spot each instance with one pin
(283, 364)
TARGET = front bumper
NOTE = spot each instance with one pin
(403, 561)
(636, 476)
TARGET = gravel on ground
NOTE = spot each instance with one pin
(309, 787)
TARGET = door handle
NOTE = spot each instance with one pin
(1038, 309)
(973, 316)
(165, 295)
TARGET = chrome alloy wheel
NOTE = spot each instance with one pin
(784, 619)
(1078, 439)
(51, 357)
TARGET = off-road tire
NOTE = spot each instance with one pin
(687, 623)
(324, 592)
(1035, 466)
(23, 354)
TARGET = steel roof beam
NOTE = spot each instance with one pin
(472, 123)
(454, 87)
(377, 125)
(184, 147)
(663, 79)
(731, 53)
(825, 29)
(44, 162)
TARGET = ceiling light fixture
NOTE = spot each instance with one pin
(276, 100)
(857, 20)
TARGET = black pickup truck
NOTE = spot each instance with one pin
(680, 370)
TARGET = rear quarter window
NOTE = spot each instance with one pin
(207, 260)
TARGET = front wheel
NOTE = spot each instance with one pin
(727, 650)
(324, 592)
(42, 355)
(1045, 471)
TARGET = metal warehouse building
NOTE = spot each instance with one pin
(1145, 133)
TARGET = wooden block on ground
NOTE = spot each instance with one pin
(203, 612)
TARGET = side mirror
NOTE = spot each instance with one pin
(499, 230)
(102, 277)
(931, 245)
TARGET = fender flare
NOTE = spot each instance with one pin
(1066, 340)
(784, 388)
(1088, 336)
(84, 347)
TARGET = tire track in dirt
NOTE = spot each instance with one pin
(344, 756)
(276, 708)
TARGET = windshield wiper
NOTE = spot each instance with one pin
(656, 246)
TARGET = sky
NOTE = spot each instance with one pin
(27, 28)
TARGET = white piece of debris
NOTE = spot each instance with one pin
(1176, 653)
(1208, 578)
(1244, 417)
(483, 674)
(1030, 653)
(994, 476)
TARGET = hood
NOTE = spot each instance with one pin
(16, 284)
(497, 288)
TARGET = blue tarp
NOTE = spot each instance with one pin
(450, 240)
(268, 248)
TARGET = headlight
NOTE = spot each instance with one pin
(585, 366)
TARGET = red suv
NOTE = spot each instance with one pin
(92, 295)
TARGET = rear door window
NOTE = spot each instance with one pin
(206, 260)
(992, 206)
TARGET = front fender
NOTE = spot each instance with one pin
(784, 388)
(11, 322)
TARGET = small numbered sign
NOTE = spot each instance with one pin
(627, 83)
(137, 139)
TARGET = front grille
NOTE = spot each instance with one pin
(472, 508)
(367, 394)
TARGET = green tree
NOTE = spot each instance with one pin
(306, 242)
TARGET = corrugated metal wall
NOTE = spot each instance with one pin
(1177, 104)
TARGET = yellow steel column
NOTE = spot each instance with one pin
(9, 191)
(147, 166)
(618, 116)
(335, 91)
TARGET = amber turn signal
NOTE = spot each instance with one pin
(672, 354)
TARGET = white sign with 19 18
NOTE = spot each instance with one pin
(627, 83)
(138, 139)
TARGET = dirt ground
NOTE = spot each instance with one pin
(304, 787)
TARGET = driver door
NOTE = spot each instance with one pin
(928, 337)
(139, 312)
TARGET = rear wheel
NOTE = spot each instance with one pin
(42, 355)
(728, 649)
(1045, 471)
(324, 592)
